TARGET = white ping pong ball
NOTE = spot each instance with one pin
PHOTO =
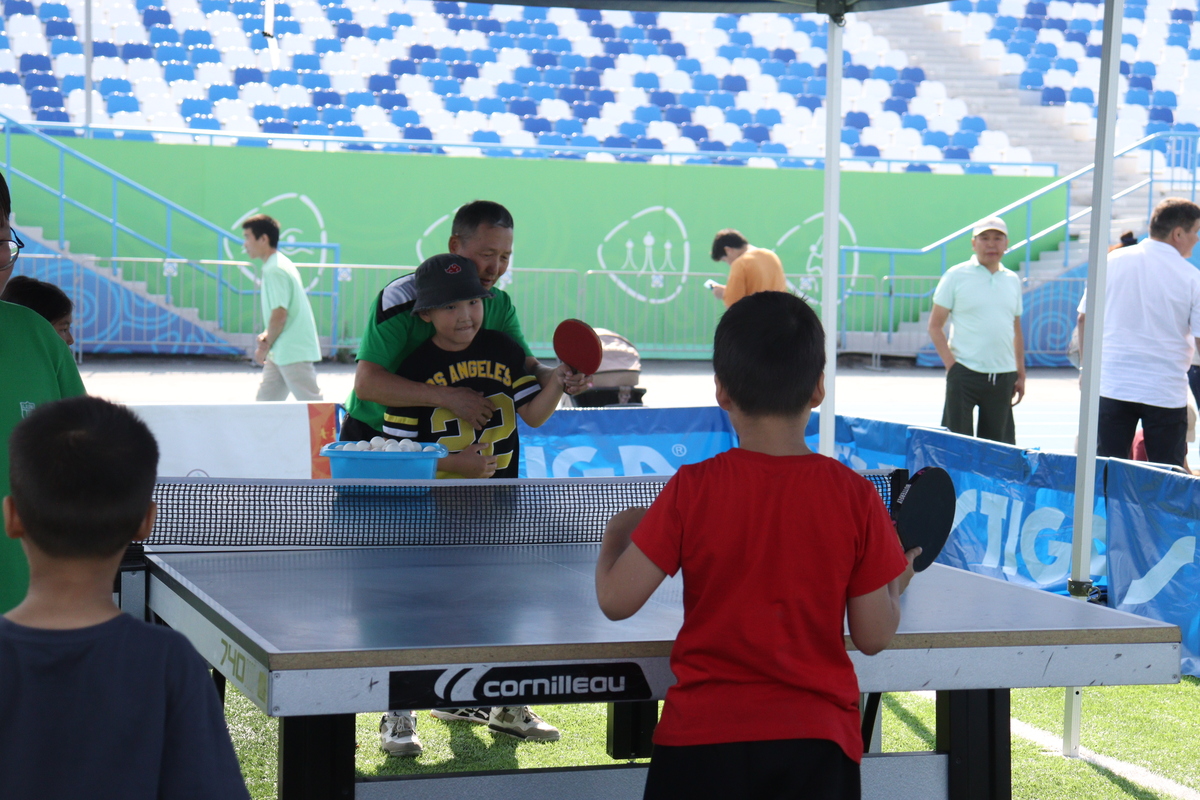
(429, 448)
(378, 442)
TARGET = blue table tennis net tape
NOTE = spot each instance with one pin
(217, 513)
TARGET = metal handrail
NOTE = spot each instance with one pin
(1026, 201)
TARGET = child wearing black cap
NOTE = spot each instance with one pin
(463, 353)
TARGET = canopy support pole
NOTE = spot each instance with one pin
(831, 254)
(1080, 584)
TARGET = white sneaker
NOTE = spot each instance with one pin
(477, 715)
(398, 734)
(521, 722)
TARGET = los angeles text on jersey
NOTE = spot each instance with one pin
(475, 368)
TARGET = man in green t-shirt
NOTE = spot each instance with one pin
(36, 367)
(289, 347)
(482, 231)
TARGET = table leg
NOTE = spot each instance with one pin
(631, 728)
(972, 727)
(316, 757)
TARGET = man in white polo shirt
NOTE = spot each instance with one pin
(1151, 322)
(985, 353)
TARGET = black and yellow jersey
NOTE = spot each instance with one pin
(493, 364)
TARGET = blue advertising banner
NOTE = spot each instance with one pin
(601, 442)
(863, 443)
(1015, 513)
(1154, 519)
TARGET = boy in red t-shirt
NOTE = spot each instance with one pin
(778, 546)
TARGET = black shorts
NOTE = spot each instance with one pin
(354, 430)
(777, 769)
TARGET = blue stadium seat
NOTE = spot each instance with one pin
(222, 91)
(662, 99)
(1141, 82)
(1137, 97)
(446, 86)
(197, 38)
(631, 130)
(918, 168)
(1053, 96)
(1079, 37)
(45, 98)
(693, 99)
(1019, 48)
(585, 110)
(381, 83)
(676, 50)
(971, 123)
(647, 114)
(204, 55)
(572, 61)
(10, 78)
(643, 80)
(643, 48)
(568, 127)
(648, 143)
(809, 101)
(156, 16)
(1144, 68)
(402, 66)
(244, 75)
(587, 77)
(323, 97)
(35, 62)
(391, 100)
(522, 107)
(483, 55)
(733, 83)
(790, 84)
(1161, 115)
(1163, 99)
(858, 72)
(557, 76)
(1045, 50)
(1082, 94)
(585, 141)
(109, 86)
(374, 33)
(618, 142)
(857, 119)
(696, 133)
(851, 136)
(510, 90)
(60, 27)
(1183, 15)
(551, 139)
(306, 62)
(337, 13)
(680, 115)
(938, 139)
(454, 103)
(60, 46)
(775, 68)
(977, 169)
(711, 146)
(768, 117)
(777, 148)
(440, 69)
(866, 151)
(405, 117)
(49, 11)
(191, 107)
(1030, 79)
(572, 94)
(1054, 23)
(349, 129)
(283, 77)
(691, 66)
(265, 113)
(739, 116)
(905, 89)
(242, 141)
(485, 137)
(1067, 65)
(312, 129)
(956, 153)
(35, 79)
(204, 123)
(315, 80)
(703, 82)
(913, 74)
(335, 114)
(134, 50)
(756, 133)
(967, 139)
(345, 30)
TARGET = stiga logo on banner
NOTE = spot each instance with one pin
(517, 685)
(596, 443)
(1014, 517)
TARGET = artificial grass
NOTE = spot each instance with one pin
(1155, 727)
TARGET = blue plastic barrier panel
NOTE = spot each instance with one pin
(594, 443)
(1014, 517)
(863, 443)
(1154, 520)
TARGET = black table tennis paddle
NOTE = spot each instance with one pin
(924, 513)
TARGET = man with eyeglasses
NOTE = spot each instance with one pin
(35, 367)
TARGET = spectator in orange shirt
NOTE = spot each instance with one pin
(751, 269)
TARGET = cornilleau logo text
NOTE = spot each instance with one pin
(489, 685)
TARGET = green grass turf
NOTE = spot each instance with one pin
(1156, 727)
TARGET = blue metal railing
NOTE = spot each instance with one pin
(1178, 150)
(172, 211)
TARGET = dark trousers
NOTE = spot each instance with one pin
(355, 431)
(1164, 429)
(992, 394)
(1194, 382)
(779, 769)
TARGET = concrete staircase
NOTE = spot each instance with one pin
(1028, 124)
(36, 234)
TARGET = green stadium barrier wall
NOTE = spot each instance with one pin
(654, 221)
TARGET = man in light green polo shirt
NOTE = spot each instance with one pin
(985, 354)
(289, 347)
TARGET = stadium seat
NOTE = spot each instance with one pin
(1053, 96)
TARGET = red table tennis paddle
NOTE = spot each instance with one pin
(578, 346)
(924, 513)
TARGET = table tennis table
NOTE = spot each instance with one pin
(314, 634)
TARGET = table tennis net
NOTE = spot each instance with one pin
(210, 513)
